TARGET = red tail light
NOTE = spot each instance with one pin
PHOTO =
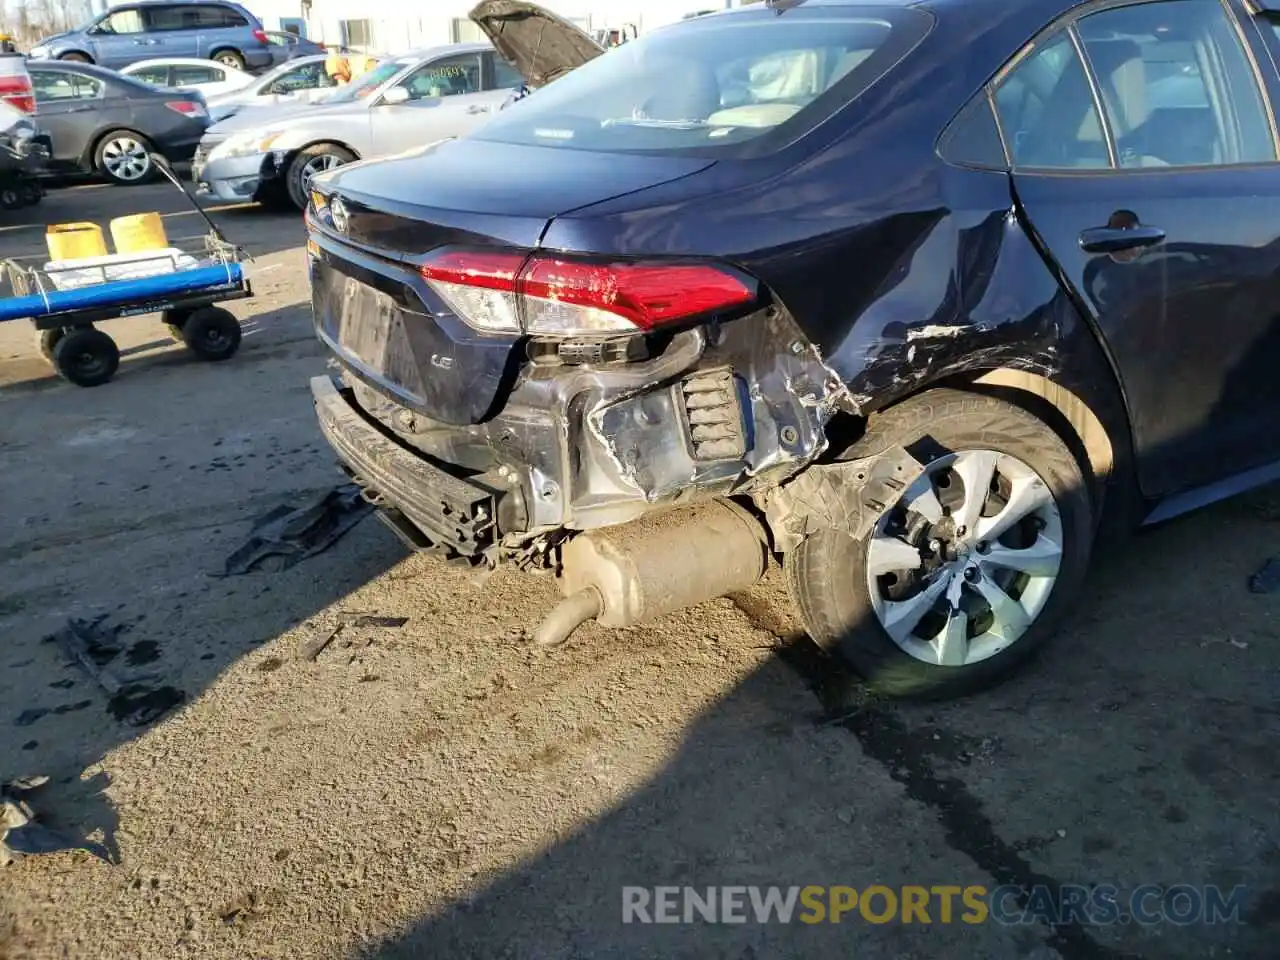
(260, 36)
(547, 294)
(17, 92)
(188, 108)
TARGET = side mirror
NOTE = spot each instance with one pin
(395, 95)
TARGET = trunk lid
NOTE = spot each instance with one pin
(372, 306)
(541, 45)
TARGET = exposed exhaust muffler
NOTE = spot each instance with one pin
(639, 571)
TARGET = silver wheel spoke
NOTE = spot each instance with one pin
(901, 617)
(889, 555)
(976, 468)
(1011, 620)
(952, 644)
(1026, 495)
(922, 499)
(1041, 559)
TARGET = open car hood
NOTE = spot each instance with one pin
(541, 45)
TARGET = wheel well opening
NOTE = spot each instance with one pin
(1062, 410)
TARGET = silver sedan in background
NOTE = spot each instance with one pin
(301, 80)
(406, 101)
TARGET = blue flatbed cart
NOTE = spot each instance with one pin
(184, 288)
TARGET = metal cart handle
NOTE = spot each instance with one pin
(163, 166)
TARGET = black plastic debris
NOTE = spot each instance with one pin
(288, 535)
(316, 645)
(136, 699)
(22, 836)
(1267, 580)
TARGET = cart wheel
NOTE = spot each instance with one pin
(86, 357)
(49, 341)
(212, 333)
(49, 338)
(11, 198)
(173, 321)
(32, 193)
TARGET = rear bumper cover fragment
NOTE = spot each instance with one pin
(449, 510)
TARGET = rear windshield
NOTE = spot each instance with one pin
(741, 83)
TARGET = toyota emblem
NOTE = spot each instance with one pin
(338, 210)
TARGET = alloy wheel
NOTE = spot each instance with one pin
(319, 164)
(963, 564)
(126, 159)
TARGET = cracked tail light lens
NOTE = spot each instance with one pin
(556, 296)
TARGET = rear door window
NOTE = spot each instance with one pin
(156, 76)
(1048, 113)
(1175, 83)
(213, 17)
(163, 18)
(52, 86)
(1177, 86)
(740, 82)
(186, 76)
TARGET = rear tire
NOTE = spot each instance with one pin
(212, 334)
(86, 357)
(228, 58)
(124, 158)
(314, 159)
(828, 578)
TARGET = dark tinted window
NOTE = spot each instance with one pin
(972, 138)
(505, 76)
(213, 17)
(1047, 111)
(741, 82)
(156, 76)
(189, 76)
(1177, 86)
(165, 19)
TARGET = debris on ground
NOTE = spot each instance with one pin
(1267, 580)
(316, 645)
(135, 700)
(22, 836)
(288, 535)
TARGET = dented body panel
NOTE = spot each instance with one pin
(885, 270)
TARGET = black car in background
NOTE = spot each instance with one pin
(920, 297)
(101, 122)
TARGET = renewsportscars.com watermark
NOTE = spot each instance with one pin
(1094, 905)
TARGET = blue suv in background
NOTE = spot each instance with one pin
(125, 34)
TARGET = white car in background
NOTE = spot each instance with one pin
(187, 73)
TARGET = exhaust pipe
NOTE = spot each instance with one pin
(639, 571)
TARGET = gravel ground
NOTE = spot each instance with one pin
(441, 789)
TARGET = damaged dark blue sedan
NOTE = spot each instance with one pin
(922, 298)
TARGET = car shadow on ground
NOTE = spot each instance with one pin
(1138, 749)
(122, 504)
